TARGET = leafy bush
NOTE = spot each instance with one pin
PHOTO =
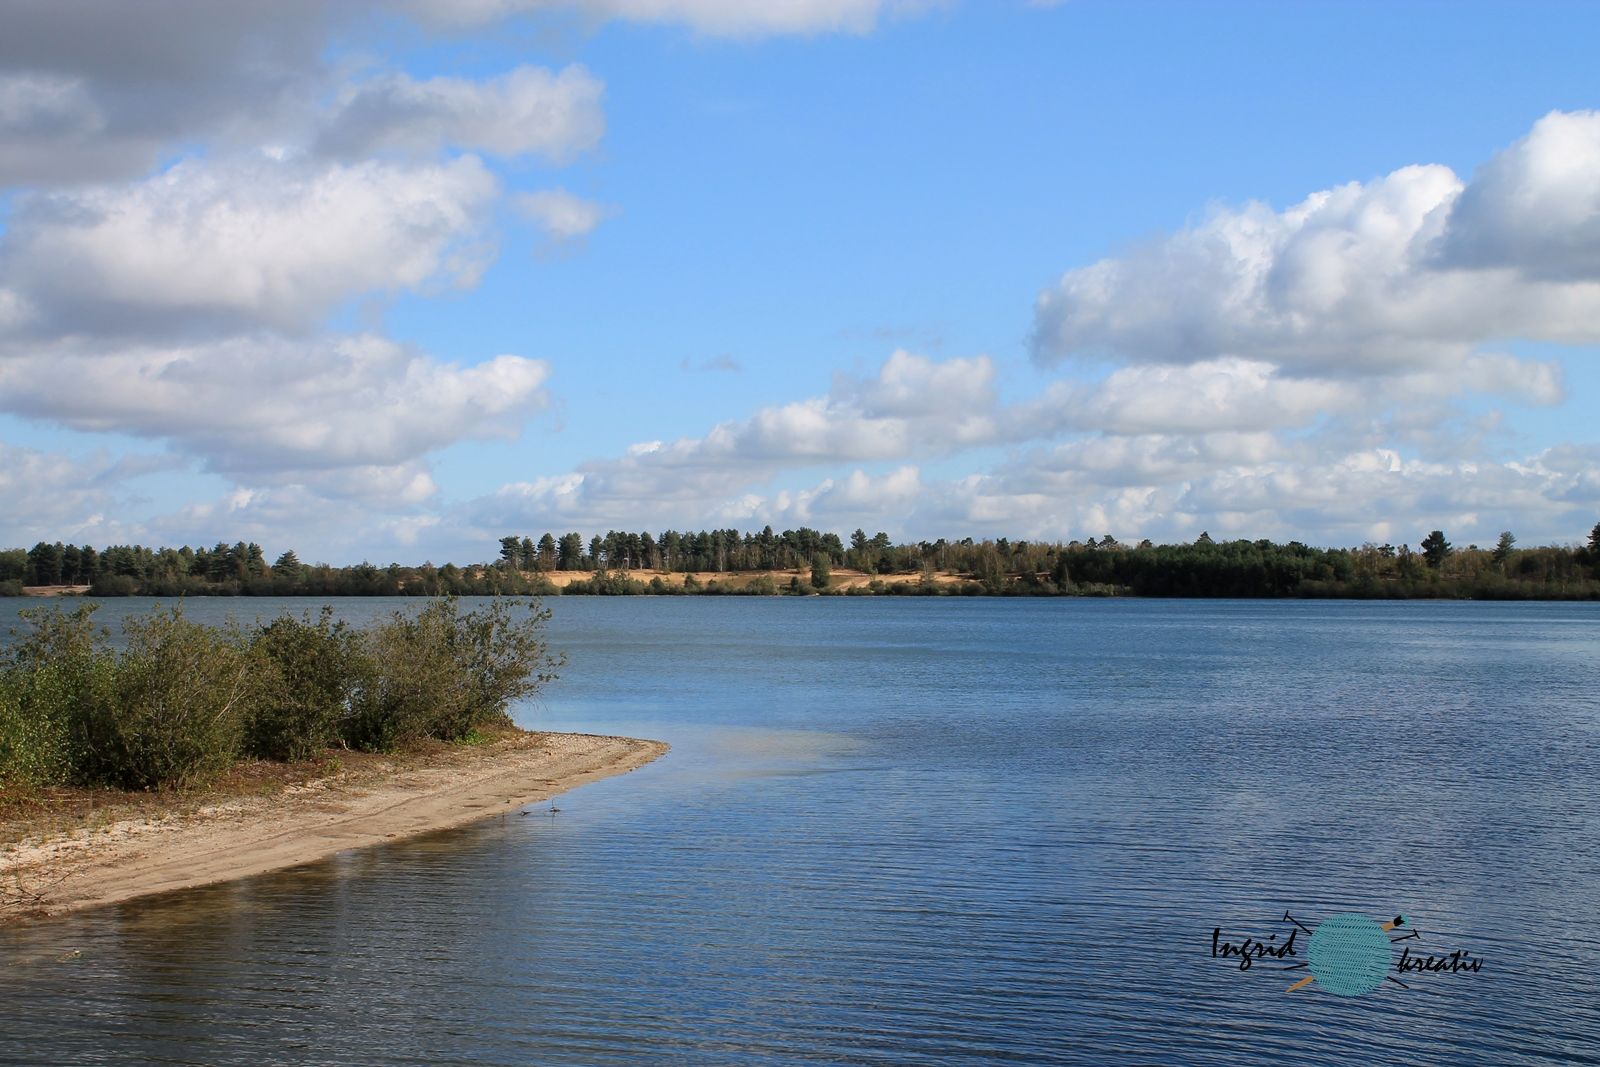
(109, 585)
(406, 682)
(442, 674)
(185, 701)
(179, 703)
(605, 584)
(503, 659)
(54, 678)
(307, 673)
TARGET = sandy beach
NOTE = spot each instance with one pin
(842, 578)
(89, 866)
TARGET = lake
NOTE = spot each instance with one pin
(927, 831)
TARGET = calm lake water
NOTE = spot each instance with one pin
(927, 832)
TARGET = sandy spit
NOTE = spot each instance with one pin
(94, 866)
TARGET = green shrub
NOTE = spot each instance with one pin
(404, 680)
(185, 701)
(307, 673)
(109, 585)
(606, 584)
(54, 677)
(442, 674)
(178, 705)
(503, 658)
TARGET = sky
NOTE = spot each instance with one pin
(392, 279)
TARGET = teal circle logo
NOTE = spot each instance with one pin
(1349, 955)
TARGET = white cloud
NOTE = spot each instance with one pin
(52, 496)
(1143, 445)
(91, 92)
(1534, 208)
(1228, 394)
(246, 241)
(1358, 280)
(913, 406)
(563, 217)
(184, 304)
(317, 524)
(187, 303)
(1240, 488)
(1379, 495)
(1149, 460)
(857, 499)
(526, 111)
(264, 408)
(1296, 373)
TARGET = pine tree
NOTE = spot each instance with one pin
(1435, 548)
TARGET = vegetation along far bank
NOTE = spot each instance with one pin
(808, 562)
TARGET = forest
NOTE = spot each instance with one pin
(809, 562)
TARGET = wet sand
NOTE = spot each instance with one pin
(236, 837)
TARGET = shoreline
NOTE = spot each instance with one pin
(53, 874)
(848, 583)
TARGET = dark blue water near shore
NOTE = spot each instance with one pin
(928, 832)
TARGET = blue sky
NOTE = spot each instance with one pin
(390, 280)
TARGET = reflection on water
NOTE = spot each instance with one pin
(926, 832)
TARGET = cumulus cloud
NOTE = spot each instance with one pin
(245, 241)
(85, 106)
(526, 111)
(1214, 395)
(1299, 372)
(199, 188)
(1359, 280)
(317, 524)
(91, 91)
(79, 106)
(187, 302)
(53, 496)
(913, 406)
(1134, 450)
(562, 217)
(1380, 495)
(1246, 487)
(266, 408)
(857, 499)
(1534, 209)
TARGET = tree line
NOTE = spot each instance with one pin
(708, 550)
(755, 563)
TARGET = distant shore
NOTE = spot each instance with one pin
(844, 582)
(126, 851)
(807, 562)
